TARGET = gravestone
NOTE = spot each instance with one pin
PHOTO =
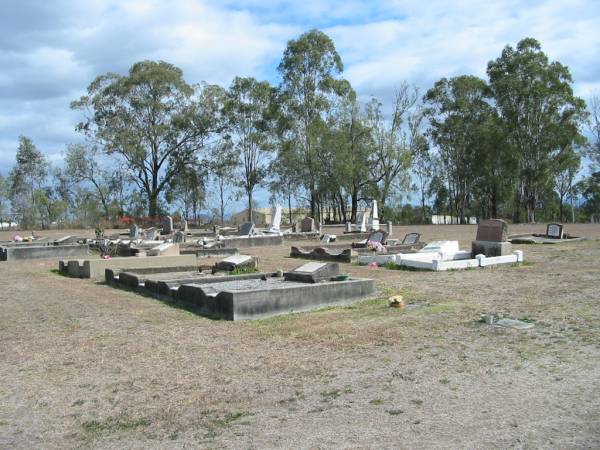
(247, 229)
(492, 230)
(307, 225)
(390, 228)
(411, 239)
(179, 237)
(313, 272)
(275, 219)
(491, 239)
(151, 234)
(234, 261)
(379, 236)
(554, 231)
(184, 226)
(134, 231)
(374, 217)
(167, 225)
(348, 228)
(361, 222)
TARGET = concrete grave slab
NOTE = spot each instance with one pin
(232, 262)
(313, 272)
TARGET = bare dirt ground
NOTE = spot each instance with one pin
(83, 365)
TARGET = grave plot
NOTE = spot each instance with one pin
(375, 243)
(554, 235)
(248, 296)
(490, 248)
(14, 251)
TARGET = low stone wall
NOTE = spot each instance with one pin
(32, 251)
(94, 268)
(252, 241)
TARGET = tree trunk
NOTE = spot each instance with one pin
(153, 204)
(249, 206)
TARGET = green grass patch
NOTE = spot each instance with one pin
(241, 270)
(113, 425)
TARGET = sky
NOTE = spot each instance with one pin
(50, 50)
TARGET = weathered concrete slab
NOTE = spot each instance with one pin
(254, 299)
(94, 268)
(33, 251)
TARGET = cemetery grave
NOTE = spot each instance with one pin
(489, 248)
(42, 248)
(247, 296)
(554, 235)
(375, 242)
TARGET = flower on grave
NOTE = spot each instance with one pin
(376, 246)
(373, 264)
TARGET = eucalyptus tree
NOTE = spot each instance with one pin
(251, 122)
(82, 166)
(153, 119)
(27, 180)
(594, 125)
(540, 113)
(221, 163)
(565, 168)
(457, 108)
(188, 189)
(391, 157)
(310, 70)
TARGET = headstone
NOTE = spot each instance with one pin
(313, 272)
(379, 236)
(348, 228)
(511, 323)
(374, 217)
(390, 228)
(247, 229)
(168, 225)
(231, 262)
(179, 237)
(554, 231)
(411, 239)
(362, 222)
(151, 234)
(307, 225)
(275, 219)
(134, 231)
(493, 230)
(184, 226)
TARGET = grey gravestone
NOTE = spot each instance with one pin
(313, 272)
(307, 225)
(134, 231)
(348, 228)
(184, 226)
(390, 228)
(179, 237)
(234, 261)
(246, 229)
(411, 238)
(150, 234)
(168, 225)
(378, 236)
(554, 230)
(492, 230)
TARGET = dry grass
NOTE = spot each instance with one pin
(86, 366)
